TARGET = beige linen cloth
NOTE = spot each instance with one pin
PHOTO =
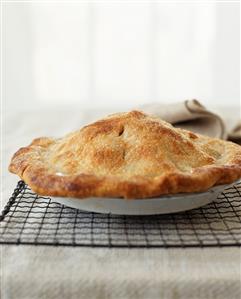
(192, 115)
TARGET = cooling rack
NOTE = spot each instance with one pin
(36, 220)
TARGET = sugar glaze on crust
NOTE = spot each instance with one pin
(129, 155)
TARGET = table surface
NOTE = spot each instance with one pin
(74, 272)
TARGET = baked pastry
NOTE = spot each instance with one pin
(130, 155)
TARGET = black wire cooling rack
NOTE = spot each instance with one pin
(31, 219)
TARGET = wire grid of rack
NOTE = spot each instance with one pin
(32, 219)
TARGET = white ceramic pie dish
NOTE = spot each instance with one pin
(162, 205)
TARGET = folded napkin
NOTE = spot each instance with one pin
(235, 134)
(192, 115)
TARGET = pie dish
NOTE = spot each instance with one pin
(165, 204)
(131, 155)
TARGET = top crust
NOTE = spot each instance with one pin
(130, 155)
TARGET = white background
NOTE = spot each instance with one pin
(120, 55)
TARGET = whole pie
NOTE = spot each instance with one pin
(130, 155)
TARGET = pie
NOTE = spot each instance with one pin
(129, 155)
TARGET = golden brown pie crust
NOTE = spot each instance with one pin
(130, 155)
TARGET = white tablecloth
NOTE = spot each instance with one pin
(66, 272)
